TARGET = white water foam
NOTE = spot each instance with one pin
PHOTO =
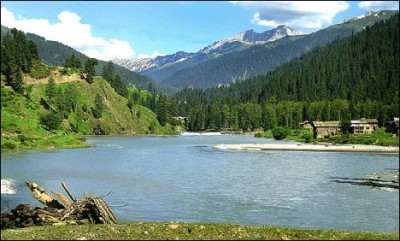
(8, 186)
(114, 145)
(201, 133)
(388, 189)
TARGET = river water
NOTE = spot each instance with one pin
(185, 179)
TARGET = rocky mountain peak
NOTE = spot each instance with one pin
(270, 35)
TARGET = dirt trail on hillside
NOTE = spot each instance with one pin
(58, 78)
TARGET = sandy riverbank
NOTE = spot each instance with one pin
(308, 147)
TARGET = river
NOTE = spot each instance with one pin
(185, 179)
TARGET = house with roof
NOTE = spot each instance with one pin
(322, 129)
(364, 126)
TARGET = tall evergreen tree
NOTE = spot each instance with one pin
(108, 72)
(90, 70)
(50, 89)
(18, 84)
(120, 87)
(98, 107)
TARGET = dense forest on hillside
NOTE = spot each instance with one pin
(352, 77)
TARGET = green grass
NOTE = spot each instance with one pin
(21, 129)
(378, 137)
(69, 71)
(186, 231)
(299, 135)
(266, 134)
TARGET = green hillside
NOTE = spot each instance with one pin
(21, 125)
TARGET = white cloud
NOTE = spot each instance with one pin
(70, 31)
(311, 15)
(257, 20)
(143, 56)
(379, 5)
(184, 2)
(153, 55)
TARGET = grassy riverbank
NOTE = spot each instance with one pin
(378, 137)
(188, 231)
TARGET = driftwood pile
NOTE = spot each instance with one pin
(90, 209)
(375, 180)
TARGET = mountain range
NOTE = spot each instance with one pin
(244, 55)
(160, 67)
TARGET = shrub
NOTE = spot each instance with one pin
(280, 133)
(152, 127)
(40, 70)
(9, 145)
(296, 132)
(308, 136)
(51, 120)
(267, 134)
(22, 138)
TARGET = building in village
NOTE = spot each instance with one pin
(322, 129)
(364, 126)
(306, 125)
(392, 126)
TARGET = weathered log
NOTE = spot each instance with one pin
(48, 219)
(105, 211)
(62, 199)
(68, 214)
(40, 194)
(68, 192)
(47, 213)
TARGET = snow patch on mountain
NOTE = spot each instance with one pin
(136, 65)
(368, 14)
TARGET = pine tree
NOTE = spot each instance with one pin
(50, 90)
(108, 73)
(73, 62)
(90, 70)
(18, 84)
(120, 87)
(71, 98)
(98, 107)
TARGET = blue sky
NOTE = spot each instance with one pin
(126, 29)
